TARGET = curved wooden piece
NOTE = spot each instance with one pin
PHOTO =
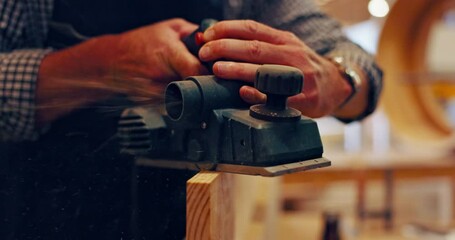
(412, 108)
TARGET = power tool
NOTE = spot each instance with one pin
(207, 126)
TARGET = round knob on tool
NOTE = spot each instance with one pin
(278, 83)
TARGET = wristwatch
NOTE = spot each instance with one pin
(349, 74)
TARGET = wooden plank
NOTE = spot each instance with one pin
(232, 206)
(246, 190)
(257, 205)
(210, 207)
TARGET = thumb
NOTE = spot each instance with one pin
(252, 95)
(183, 27)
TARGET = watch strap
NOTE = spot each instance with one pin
(350, 75)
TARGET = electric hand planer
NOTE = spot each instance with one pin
(207, 126)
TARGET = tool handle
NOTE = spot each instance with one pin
(195, 40)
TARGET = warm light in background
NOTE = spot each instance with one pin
(378, 8)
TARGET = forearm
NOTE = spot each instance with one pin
(138, 63)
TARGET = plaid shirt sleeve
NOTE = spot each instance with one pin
(22, 35)
(317, 30)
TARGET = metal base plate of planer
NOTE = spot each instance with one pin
(266, 171)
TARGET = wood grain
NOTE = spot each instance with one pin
(232, 206)
(210, 214)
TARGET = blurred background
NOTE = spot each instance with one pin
(392, 175)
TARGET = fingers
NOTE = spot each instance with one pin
(247, 30)
(183, 63)
(181, 60)
(182, 27)
(242, 72)
(302, 102)
(252, 95)
(236, 71)
(309, 104)
(245, 44)
(247, 51)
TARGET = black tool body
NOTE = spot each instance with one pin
(207, 126)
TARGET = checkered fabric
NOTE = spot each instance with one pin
(23, 30)
(22, 35)
(17, 91)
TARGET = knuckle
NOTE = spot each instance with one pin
(191, 66)
(176, 21)
(218, 47)
(292, 56)
(238, 69)
(168, 49)
(313, 73)
(251, 26)
(286, 37)
(313, 100)
(289, 36)
(254, 48)
(220, 28)
(310, 75)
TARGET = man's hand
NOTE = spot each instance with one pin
(244, 45)
(156, 52)
(139, 63)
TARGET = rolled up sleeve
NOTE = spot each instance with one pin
(23, 32)
(18, 78)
